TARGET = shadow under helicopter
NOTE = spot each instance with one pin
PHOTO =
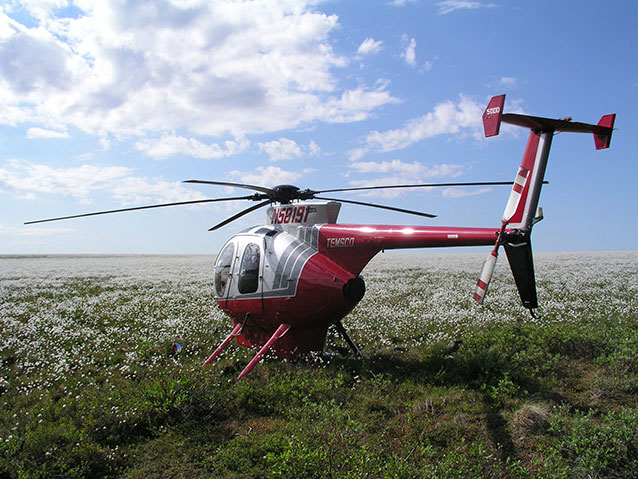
(454, 364)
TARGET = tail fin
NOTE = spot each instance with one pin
(602, 138)
(520, 212)
(492, 116)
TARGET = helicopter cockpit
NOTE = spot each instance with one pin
(263, 262)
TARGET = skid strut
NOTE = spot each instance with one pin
(281, 330)
(346, 338)
(221, 347)
(237, 330)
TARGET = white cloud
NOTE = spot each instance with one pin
(171, 144)
(357, 153)
(282, 149)
(42, 133)
(396, 172)
(400, 3)
(135, 190)
(286, 149)
(29, 231)
(105, 142)
(267, 176)
(415, 171)
(77, 182)
(211, 68)
(449, 6)
(28, 196)
(41, 9)
(313, 149)
(409, 54)
(463, 192)
(369, 46)
(507, 82)
(80, 182)
(447, 118)
(353, 105)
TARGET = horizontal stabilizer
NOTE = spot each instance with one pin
(565, 124)
(493, 116)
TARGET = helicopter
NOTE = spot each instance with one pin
(286, 282)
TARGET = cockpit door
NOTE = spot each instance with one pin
(247, 284)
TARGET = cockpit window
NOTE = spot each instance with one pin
(249, 270)
(222, 268)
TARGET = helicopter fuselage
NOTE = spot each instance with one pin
(303, 269)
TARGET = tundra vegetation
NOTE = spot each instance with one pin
(89, 386)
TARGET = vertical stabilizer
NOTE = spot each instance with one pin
(492, 116)
(519, 256)
(602, 136)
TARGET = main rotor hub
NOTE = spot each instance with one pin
(284, 194)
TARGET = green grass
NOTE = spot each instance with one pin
(88, 387)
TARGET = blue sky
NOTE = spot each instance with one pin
(112, 104)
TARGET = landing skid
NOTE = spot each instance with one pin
(281, 331)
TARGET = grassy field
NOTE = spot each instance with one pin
(89, 387)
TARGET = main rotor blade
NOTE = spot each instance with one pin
(424, 185)
(263, 189)
(240, 214)
(374, 205)
(210, 200)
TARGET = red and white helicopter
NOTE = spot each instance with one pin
(286, 282)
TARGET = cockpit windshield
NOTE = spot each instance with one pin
(222, 269)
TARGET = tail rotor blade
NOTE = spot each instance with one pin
(510, 210)
(486, 275)
(515, 194)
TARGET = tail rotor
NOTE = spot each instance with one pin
(510, 209)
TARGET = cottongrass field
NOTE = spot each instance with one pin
(90, 386)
